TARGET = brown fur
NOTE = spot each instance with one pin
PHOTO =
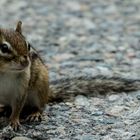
(32, 80)
(16, 40)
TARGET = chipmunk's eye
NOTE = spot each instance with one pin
(29, 46)
(4, 48)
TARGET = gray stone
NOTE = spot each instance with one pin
(81, 101)
(113, 97)
(21, 138)
(115, 110)
(86, 137)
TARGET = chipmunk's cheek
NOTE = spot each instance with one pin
(24, 64)
(24, 61)
(4, 67)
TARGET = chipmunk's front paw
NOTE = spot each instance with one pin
(34, 117)
(15, 125)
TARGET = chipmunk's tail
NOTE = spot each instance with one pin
(67, 88)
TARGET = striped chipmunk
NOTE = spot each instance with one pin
(24, 81)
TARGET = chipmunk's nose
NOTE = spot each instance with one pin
(24, 61)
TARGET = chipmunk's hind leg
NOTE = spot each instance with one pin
(34, 117)
(31, 114)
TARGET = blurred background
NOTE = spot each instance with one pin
(76, 36)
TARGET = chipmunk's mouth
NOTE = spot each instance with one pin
(20, 68)
(17, 67)
(17, 70)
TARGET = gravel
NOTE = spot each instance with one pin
(87, 37)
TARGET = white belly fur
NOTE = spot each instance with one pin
(9, 88)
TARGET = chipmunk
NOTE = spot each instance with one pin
(24, 81)
(23, 77)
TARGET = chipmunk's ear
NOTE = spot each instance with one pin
(19, 27)
(1, 37)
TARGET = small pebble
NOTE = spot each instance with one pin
(138, 97)
(81, 101)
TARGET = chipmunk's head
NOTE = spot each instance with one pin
(14, 50)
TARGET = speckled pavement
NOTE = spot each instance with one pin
(87, 37)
